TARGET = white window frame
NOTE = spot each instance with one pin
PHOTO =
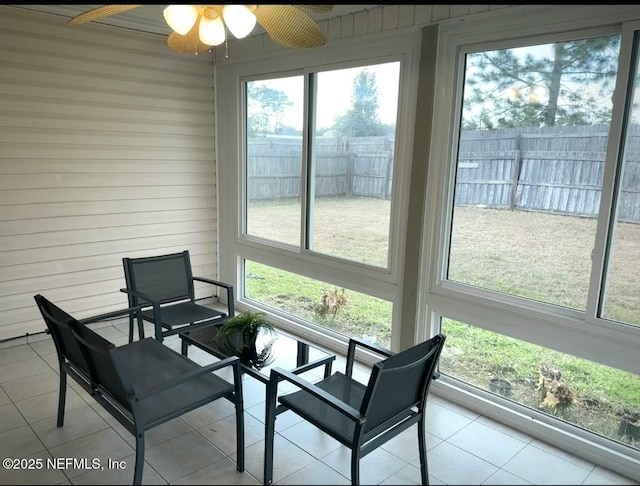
(573, 332)
(566, 330)
(385, 283)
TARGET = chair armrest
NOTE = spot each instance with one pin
(213, 282)
(230, 297)
(109, 315)
(148, 298)
(373, 347)
(319, 393)
(139, 295)
(191, 375)
(351, 352)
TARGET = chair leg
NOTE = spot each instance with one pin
(355, 466)
(422, 445)
(140, 327)
(62, 396)
(239, 402)
(137, 472)
(239, 437)
(270, 423)
(130, 327)
(159, 336)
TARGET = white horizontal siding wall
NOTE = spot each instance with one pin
(106, 151)
(366, 22)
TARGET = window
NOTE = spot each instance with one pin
(532, 249)
(542, 199)
(350, 182)
(530, 165)
(314, 175)
(621, 297)
(592, 396)
(352, 146)
(274, 155)
(332, 308)
(353, 154)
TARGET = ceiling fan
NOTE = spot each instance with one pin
(197, 28)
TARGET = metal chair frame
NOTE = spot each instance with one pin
(371, 416)
(114, 377)
(180, 305)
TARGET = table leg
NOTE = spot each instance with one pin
(303, 354)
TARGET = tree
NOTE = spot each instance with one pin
(266, 106)
(570, 86)
(362, 118)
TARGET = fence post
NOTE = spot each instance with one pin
(386, 190)
(515, 176)
(350, 173)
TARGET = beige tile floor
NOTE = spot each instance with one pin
(199, 448)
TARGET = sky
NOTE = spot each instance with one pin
(334, 94)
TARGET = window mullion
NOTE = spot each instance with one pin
(308, 174)
(613, 159)
(442, 258)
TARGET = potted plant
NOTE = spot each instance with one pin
(239, 335)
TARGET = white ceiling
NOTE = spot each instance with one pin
(148, 18)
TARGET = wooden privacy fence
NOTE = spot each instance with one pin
(536, 180)
(557, 170)
(344, 166)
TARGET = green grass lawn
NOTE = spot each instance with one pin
(539, 256)
(601, 394)
(361, 315)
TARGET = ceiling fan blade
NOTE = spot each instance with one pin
(100, 12)
(321, 9)
(189, 43)
(290, 26)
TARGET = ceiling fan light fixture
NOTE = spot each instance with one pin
(211, 30)
(181, 18)
(288, 25)
(239, 19)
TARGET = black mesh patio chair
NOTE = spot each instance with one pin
(142, 384)
(361, 417)
(164, 286)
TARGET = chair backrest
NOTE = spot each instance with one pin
(163, 277)
(59, 324)
(86, 350)
(105, 367)
(400, 382)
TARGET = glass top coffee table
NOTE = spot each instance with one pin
(287, 352)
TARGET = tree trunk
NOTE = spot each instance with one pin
(554, 85)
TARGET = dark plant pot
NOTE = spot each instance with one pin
(256, 358)
(252, 355)
(249, 355)
(500, 386)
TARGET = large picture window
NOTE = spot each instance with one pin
(342, 207)
(530, 165)
(533, 262)
(350, 171)
(314, 163)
